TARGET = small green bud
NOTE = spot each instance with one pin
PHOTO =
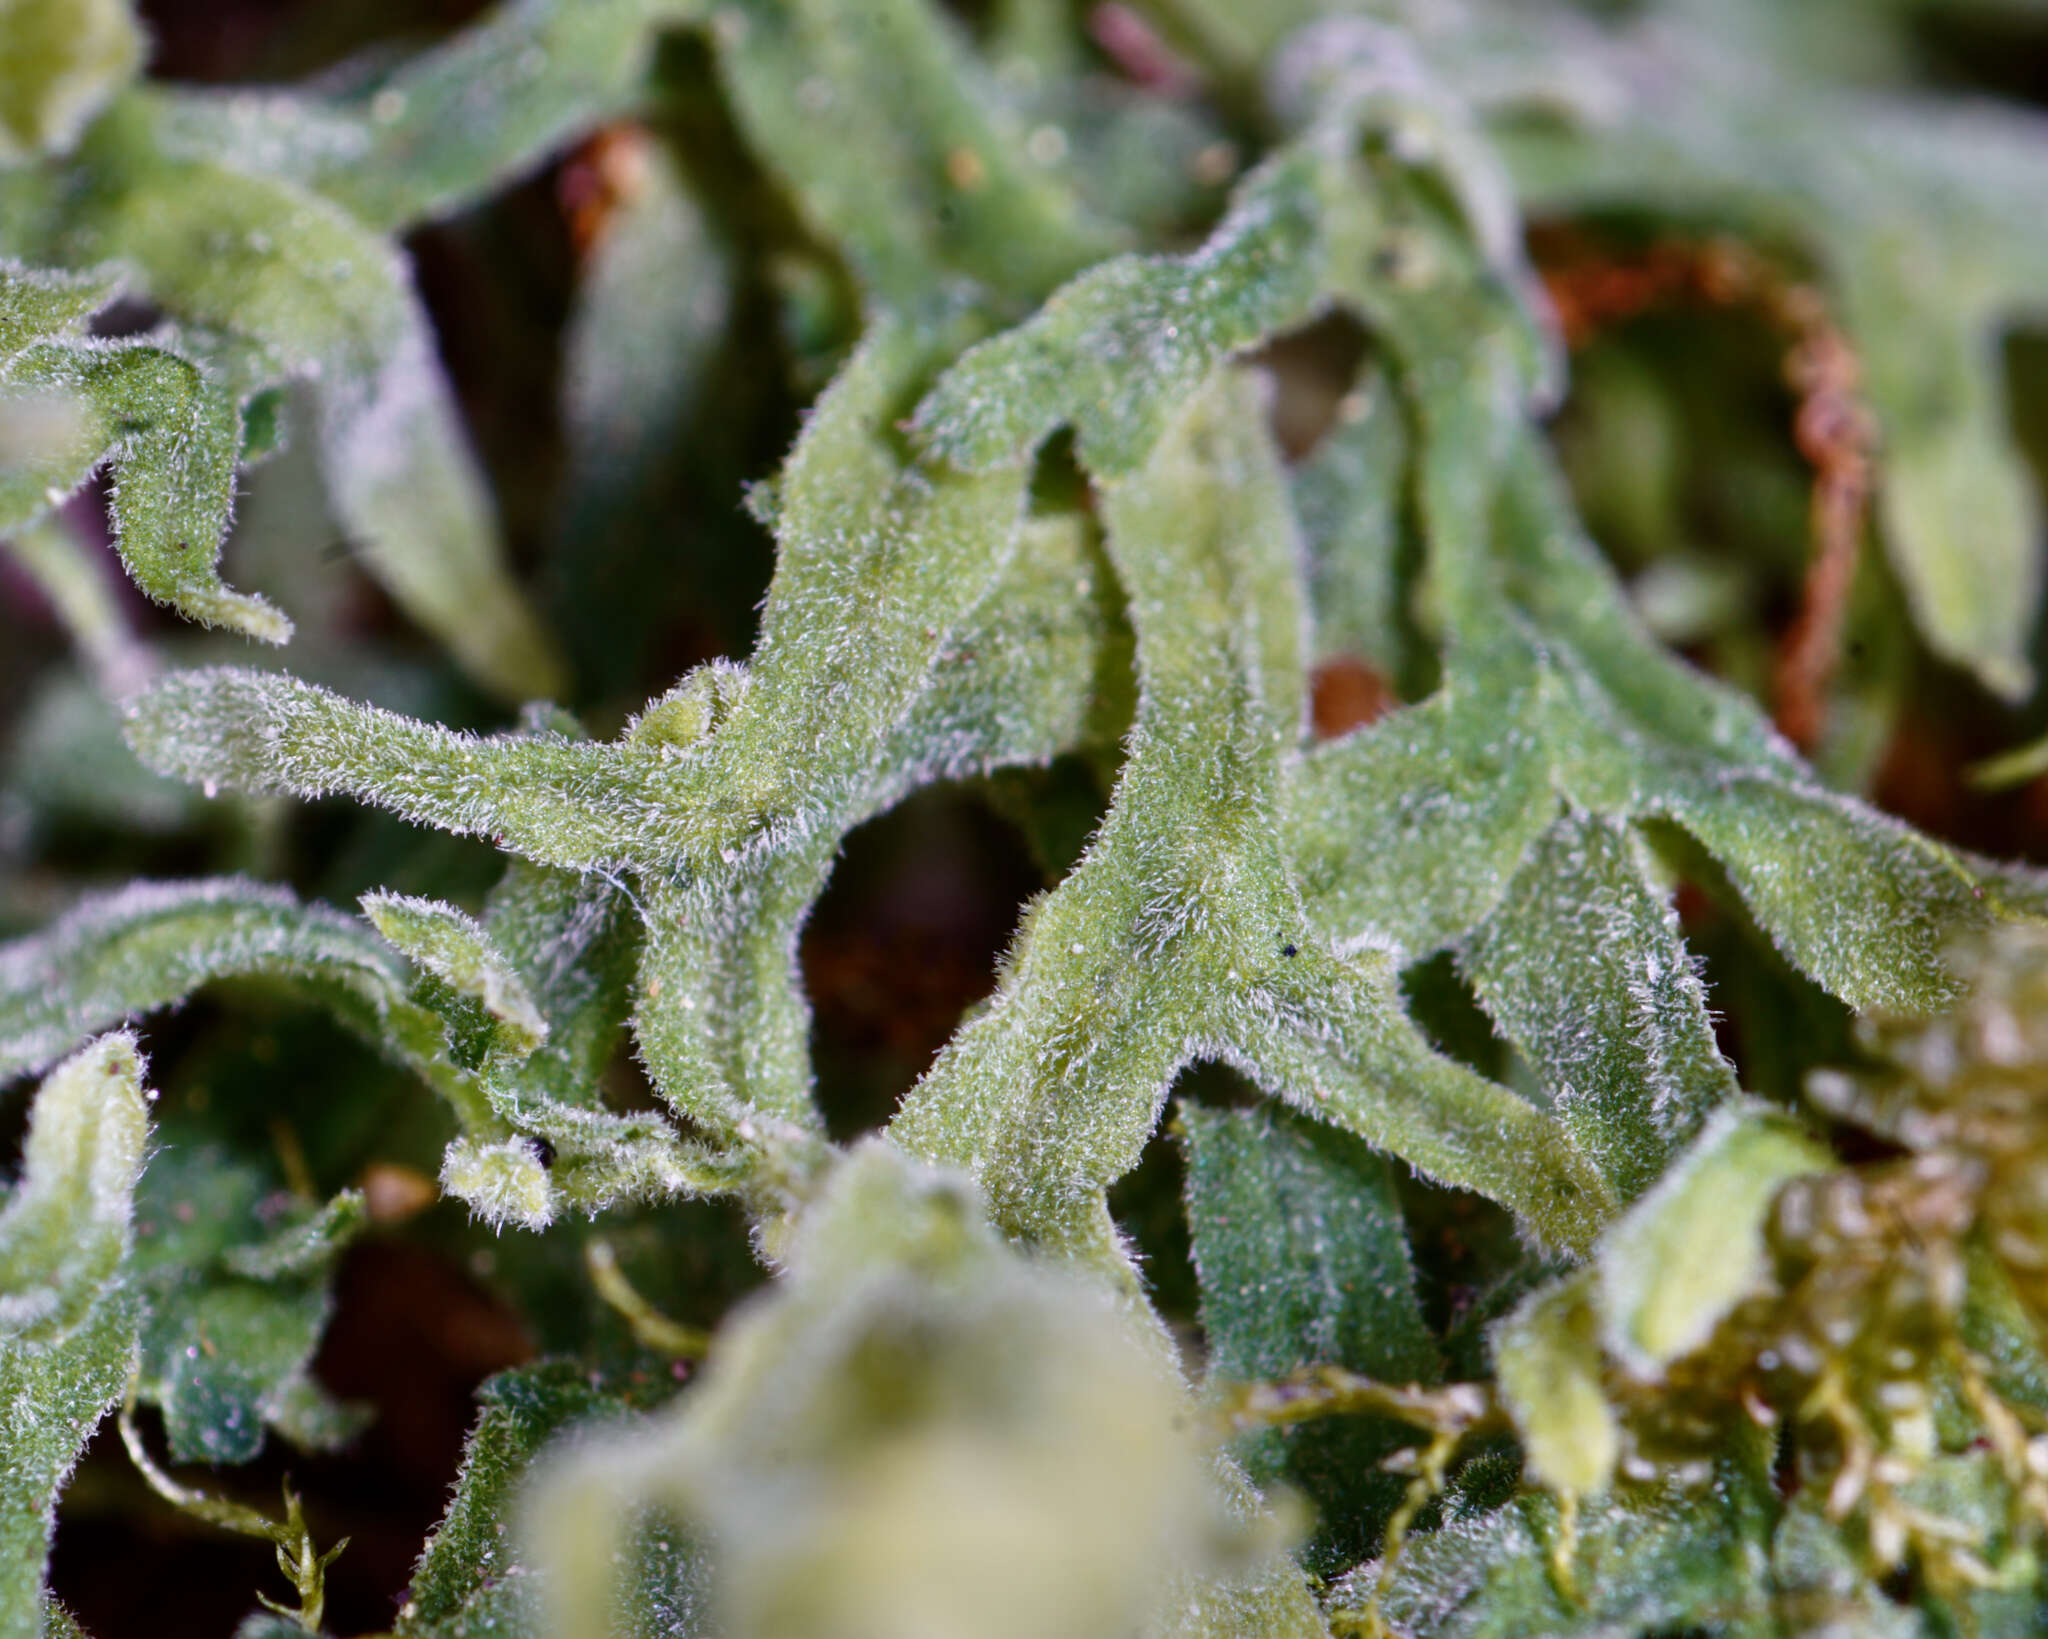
(690, 711)
(503, 1183)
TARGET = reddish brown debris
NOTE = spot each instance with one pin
(607, 169)
(1345, 694)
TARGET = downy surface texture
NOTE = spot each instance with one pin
(1174, 819)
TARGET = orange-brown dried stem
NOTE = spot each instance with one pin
(1832, 427)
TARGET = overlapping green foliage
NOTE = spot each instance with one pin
(69, 1308)
(1037, 516)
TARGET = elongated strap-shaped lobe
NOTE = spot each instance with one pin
(153, 944)
(154, 409)
(67, 1318)
(1622, 1037)
(301, 290)
(1182, 932)
(902, 148)
(446, 127)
